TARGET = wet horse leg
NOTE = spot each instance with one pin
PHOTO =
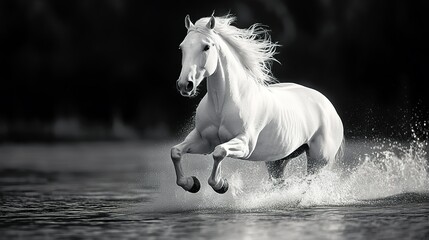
(193, 143)
(237, 147)
(317, 156)
(219, 185)
(276, 168)
(314, 164)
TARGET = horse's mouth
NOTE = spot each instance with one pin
(189, 94)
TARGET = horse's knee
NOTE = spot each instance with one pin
(176, 154)
(219, 153)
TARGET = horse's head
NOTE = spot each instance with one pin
(199, 56)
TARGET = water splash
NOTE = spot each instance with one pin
(382, 169)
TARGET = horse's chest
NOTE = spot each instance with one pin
(220, 132)
(225, 134)
(217, 134)
(220, 127)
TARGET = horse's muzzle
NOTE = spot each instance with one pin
(186, 89)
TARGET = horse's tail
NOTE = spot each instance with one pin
(340, 153)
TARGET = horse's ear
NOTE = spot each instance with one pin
(188, 22)
(211, 23)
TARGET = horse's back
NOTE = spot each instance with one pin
(314, 117)
(303, 97)
(285, 85)
(294, 88)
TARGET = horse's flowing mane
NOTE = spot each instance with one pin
(253, 46)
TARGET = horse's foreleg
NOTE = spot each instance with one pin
(215, 181)
(192, 144)
(237, 148)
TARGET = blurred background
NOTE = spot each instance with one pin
(106, 70)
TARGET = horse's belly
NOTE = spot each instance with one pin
(264, 152)
(271, 146)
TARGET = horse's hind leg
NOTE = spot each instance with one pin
(319, 154)
(276, 168)
(314, 164)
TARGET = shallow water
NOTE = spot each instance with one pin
(123, 190)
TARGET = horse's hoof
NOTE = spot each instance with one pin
(224, 187)
(196, 187)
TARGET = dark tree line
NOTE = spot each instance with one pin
(113, 63)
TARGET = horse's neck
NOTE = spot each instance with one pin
(216, 89)
(229, 83)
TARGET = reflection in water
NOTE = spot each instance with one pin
(127, 190)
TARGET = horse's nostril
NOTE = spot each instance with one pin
(189, 86)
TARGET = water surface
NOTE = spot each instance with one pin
(124, 190)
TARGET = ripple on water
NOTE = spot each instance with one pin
(383, 196)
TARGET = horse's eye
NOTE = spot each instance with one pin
(206, 47)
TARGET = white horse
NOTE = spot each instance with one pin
(244, 115)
